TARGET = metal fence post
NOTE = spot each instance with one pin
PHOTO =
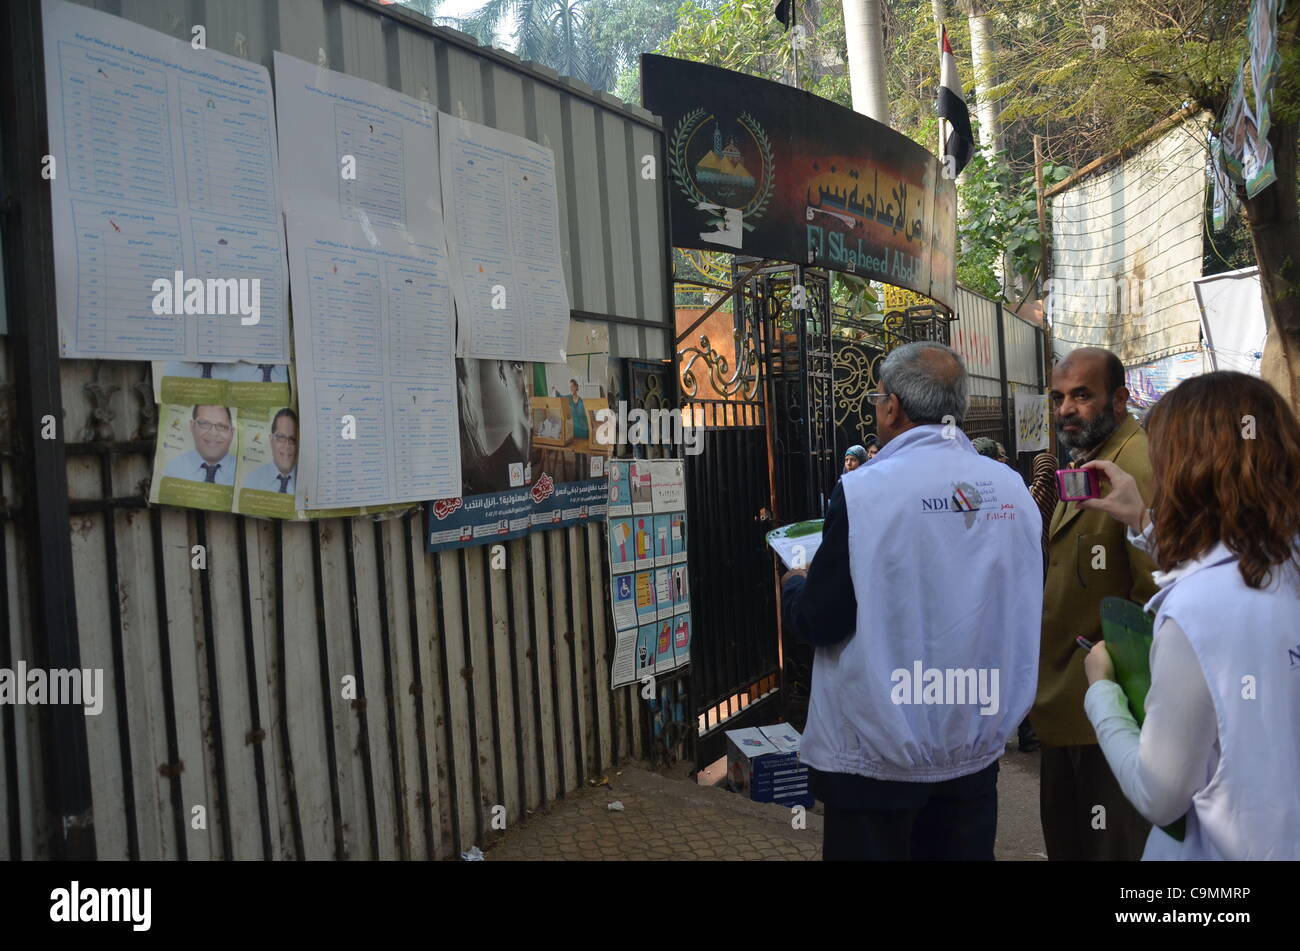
(29, 269)
(1002, 377)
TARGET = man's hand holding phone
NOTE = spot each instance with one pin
(1123, 502)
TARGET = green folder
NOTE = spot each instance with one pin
(1128, 632)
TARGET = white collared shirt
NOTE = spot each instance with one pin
(190, 465)
(267, 478)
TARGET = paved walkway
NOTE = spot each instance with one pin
(667, 816)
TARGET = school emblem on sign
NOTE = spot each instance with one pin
(723, 166)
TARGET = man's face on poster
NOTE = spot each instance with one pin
(284, 444)
(212, 432)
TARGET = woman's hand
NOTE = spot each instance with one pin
(1124, 501)
(1098, 665)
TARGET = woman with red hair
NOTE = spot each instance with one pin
(1221, 740)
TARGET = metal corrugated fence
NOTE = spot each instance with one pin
(229, 729)
(1000, 348)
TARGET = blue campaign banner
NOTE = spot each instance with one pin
(500, 516)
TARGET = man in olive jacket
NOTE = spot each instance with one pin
(1089, 558)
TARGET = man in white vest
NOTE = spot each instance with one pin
(923, 602)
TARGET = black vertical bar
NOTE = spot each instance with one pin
(571, 635)
(492, 674)
(8, 720)
(119, 661)
(1002, 364)
(514, 684)
(448, 742)
(359, 704)
(611, 639)
(256, 734)
(563, 783)
(214, 689)
(29, 280)
(417, 686)
(168, 691)
(467, 675)
(390, 694)
(536, 665)
(585, 532)
(327, 691)
(282, 687)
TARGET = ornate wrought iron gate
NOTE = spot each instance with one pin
(764, 399)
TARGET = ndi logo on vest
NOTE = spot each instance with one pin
(949, 686)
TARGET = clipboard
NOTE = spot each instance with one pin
(1128, 632)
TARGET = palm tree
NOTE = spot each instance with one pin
(555, 33)
(864, 35)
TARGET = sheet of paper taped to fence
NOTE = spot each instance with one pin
(374, 325)
(164, 169)
(502, 207)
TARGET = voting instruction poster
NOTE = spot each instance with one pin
(649, 576)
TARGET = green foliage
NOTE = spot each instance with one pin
(1000, 216)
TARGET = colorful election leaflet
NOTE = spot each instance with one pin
(624, 601)
(620, 487)
(682, 639)
(646, 609)
(622, 549)
(664, 659)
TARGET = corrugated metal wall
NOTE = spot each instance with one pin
(975, 337)
(475, 687)
(999, 348)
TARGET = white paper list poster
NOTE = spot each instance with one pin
(373, 341)
(374, 325)
(359, 150)
(166, 164)
(502, 208)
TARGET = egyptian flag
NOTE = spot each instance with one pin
(960, 142)
(785, 13)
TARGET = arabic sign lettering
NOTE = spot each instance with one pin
(759, 168)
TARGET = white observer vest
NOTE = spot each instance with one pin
(946, 558)
(1250, 805)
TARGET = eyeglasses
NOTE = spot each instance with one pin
(206, 426)
(284, 440)
(877, 397)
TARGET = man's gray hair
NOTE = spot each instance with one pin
(929, 380)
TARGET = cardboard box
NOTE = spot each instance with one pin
(552, 423)
(763, 764)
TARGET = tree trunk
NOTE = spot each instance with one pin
(983, 54)
(864, 39)
(1275, 236)
(1274, 220)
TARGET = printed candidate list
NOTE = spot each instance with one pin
(165, 169)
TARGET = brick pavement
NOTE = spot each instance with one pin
(668, 817)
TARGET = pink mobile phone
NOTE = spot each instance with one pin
(1078, 484)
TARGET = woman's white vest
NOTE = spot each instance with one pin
(946, 559)
(1248, 644)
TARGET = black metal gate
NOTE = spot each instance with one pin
(735, 663)
(764, 399)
